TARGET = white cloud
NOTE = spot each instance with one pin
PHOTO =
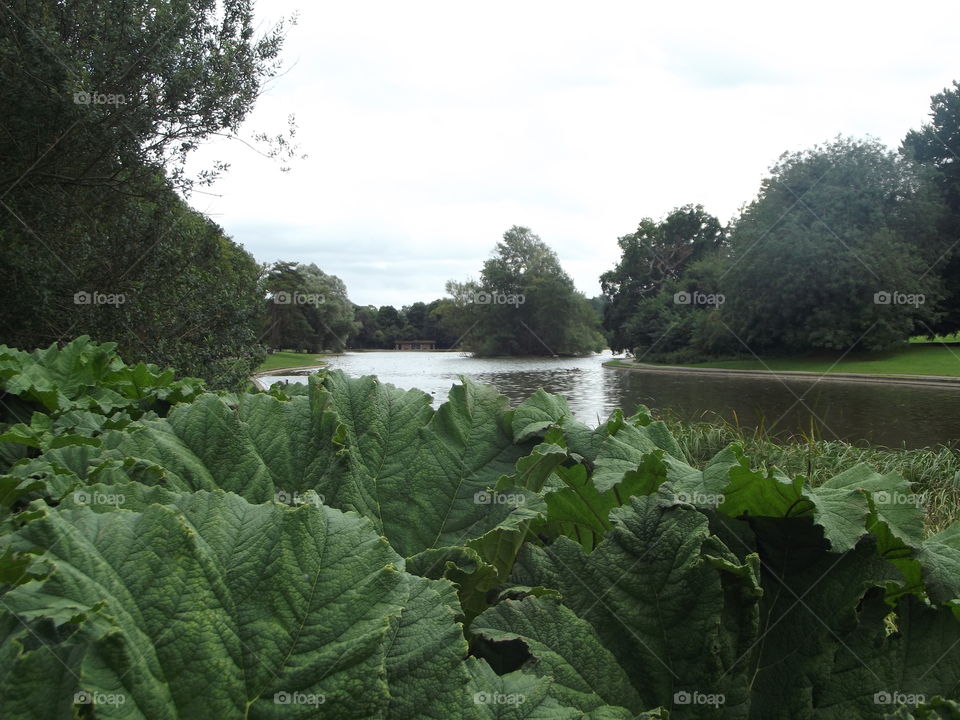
(433, 127)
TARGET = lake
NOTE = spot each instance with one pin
(892, 415)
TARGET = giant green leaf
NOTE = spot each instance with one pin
(810, 602)
(874, 670)
(940, 557)
(655, 598)
(564, 647)
(209, 607)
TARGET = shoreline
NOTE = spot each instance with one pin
(942, 381)
(296, 370)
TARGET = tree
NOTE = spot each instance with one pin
(833, 253)
(205, 321)
(107, 92)
(416, 317)
(436, 327)
(656, 254)
(328, 309)
(103, 103)
(937, 146)
(458, 314)
(368, 334)
(286, 324)
(391, 324)
(307, 310)
(524, 303)
(159, 279)
(427, 321)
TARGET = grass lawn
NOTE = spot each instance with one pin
(917, 359)
(290, 359)
(955, 338)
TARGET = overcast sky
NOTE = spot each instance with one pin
(432, 127)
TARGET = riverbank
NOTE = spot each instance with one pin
(287, 362)
(919, 364)
(261, 379)
(934, 471)
(288, 359)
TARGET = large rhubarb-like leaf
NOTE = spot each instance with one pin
(212, 607)
(425, 478)
(652, 592)
(564, 647)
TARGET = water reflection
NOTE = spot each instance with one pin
(880, 414)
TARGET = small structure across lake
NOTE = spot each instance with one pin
(415, 345)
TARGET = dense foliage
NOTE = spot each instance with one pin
(937, 145)
(103, 102)
(344, 550)
(56, 397)
(381, 328)
(524, 304)
(846, 246)
(831, 229)
(307, 309)
(657, 261)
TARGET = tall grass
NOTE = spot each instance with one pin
(933, 471)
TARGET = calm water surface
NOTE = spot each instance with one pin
(856, 412)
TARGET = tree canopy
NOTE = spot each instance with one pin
(833, 253)
(843, 248)
(103, 102)
(655, 255)
(937, 146)
(307, 309)
(524, 303)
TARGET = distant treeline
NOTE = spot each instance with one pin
(523, 304)
(847, 246)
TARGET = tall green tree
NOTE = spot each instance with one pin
(436, 324)
(307, 309)
(834, 253)
(328, 309)
(103, 102)
(153, 275)
(101, 93)
(368, 334)
(937, 146)
(391, 324)
(425, 321)
(525, 304)
(652, 256)
(286, 324)
(415, 320)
